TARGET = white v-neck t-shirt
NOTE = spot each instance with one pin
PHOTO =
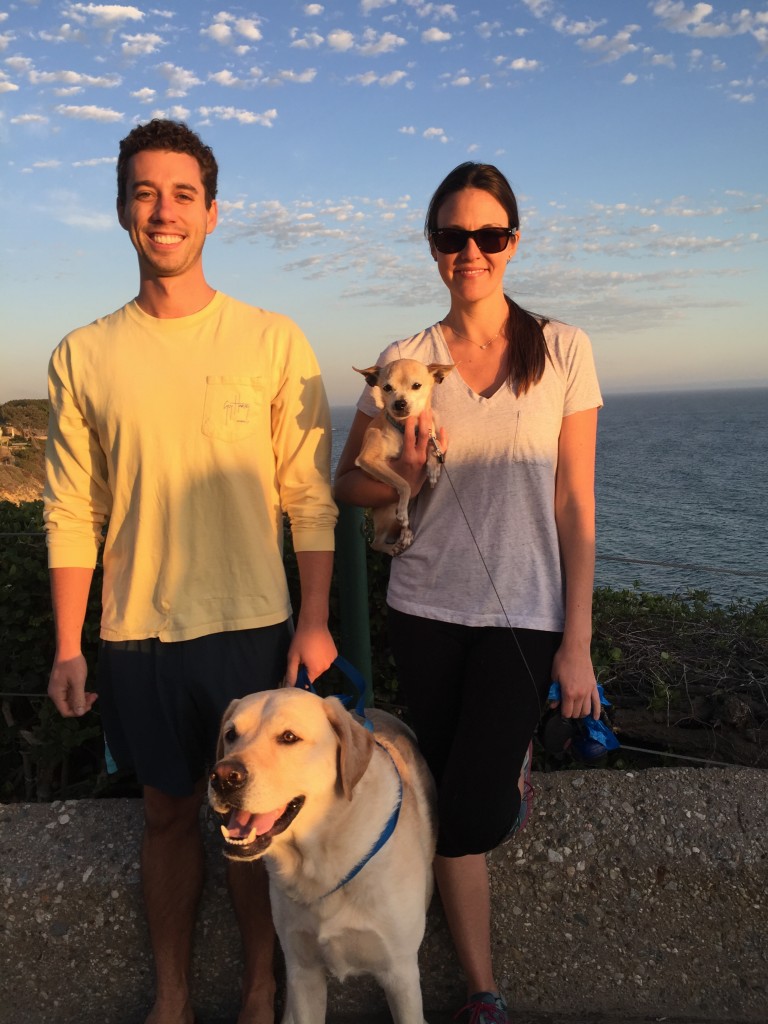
(485, 549)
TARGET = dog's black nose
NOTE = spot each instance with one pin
(229, 776)
(400, 404)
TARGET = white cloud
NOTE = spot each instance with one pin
(6, 38)
(435, 35)
(29, 119)
(219, 33)
(486, 29)
(145, 95)
(309, 41)
(141, 45)
(266, 119)
(89, 113)
(20, 64)
(340, 39)
(97, 161)
(46, 164)
(248, 28)
(539, 8)
(376, 44)
(567, 27)
(180, 81)
(435, 133)
(407, 130)
(613, 48)
(299, 77)
(366, 6)
(676, 18)
(71, 78)
(313, 10)
(5, 85)
(462, 80)
(629, 79)
(523, 64)
(371, 78)
(226, 26)
(102, 15)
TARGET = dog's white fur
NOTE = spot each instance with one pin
(287, 743)
(401, 389)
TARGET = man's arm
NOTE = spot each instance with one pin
(66, 687)
(312, 644)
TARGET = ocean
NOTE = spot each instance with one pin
(682, 491)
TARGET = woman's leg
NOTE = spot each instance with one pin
(463, 886)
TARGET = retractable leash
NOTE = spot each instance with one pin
(347, 699)
(590, 739)
(440, 455)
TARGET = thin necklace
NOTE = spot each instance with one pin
(482, 347)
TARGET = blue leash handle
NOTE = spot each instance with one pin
(347, 699)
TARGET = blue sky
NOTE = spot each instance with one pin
(634, 133)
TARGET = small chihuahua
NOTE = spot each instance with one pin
(401, 389)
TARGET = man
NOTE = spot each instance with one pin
(186, 423)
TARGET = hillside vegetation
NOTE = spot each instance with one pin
(684, 676)
(22, 458)
(25, 414)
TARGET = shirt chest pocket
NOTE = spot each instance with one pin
(232, 409)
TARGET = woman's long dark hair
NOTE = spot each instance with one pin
(527, 349)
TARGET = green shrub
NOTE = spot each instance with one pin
(650, 651)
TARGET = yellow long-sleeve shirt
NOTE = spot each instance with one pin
(187, 438)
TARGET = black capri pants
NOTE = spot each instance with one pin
(475, 695)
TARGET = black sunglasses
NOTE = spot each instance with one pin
(450, 240)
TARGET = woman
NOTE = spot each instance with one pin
(493, 600)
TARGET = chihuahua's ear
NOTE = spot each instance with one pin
(371, 375)
(440, 370)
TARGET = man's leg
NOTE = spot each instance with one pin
(172, 880)
(249, 889)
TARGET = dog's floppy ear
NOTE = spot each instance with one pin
(355, 745)
(224, 718)
(371, 375)
(440, 371)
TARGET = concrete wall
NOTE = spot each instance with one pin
(634, 894)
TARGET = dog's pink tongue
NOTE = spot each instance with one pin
(241, 823)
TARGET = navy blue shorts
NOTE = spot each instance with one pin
(161, 703)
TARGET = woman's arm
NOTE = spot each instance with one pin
(354, 487)
(575, 518)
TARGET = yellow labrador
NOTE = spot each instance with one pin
(344, 819)
(401, 389)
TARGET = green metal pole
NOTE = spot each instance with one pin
(352, 581)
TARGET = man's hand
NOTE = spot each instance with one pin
(313, 647)
(66, 687)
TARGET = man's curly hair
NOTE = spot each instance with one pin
(175, 137)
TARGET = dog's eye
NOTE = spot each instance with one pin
(415, 386)
(230, 735)
(387, 387)
(288, 737)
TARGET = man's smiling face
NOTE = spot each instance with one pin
(165, 212)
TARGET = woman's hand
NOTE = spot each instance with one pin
(572, 668)
(411, 464)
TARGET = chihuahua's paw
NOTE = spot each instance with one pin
(403, 541)
(433, 473)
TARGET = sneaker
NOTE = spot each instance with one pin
(484, 1008)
